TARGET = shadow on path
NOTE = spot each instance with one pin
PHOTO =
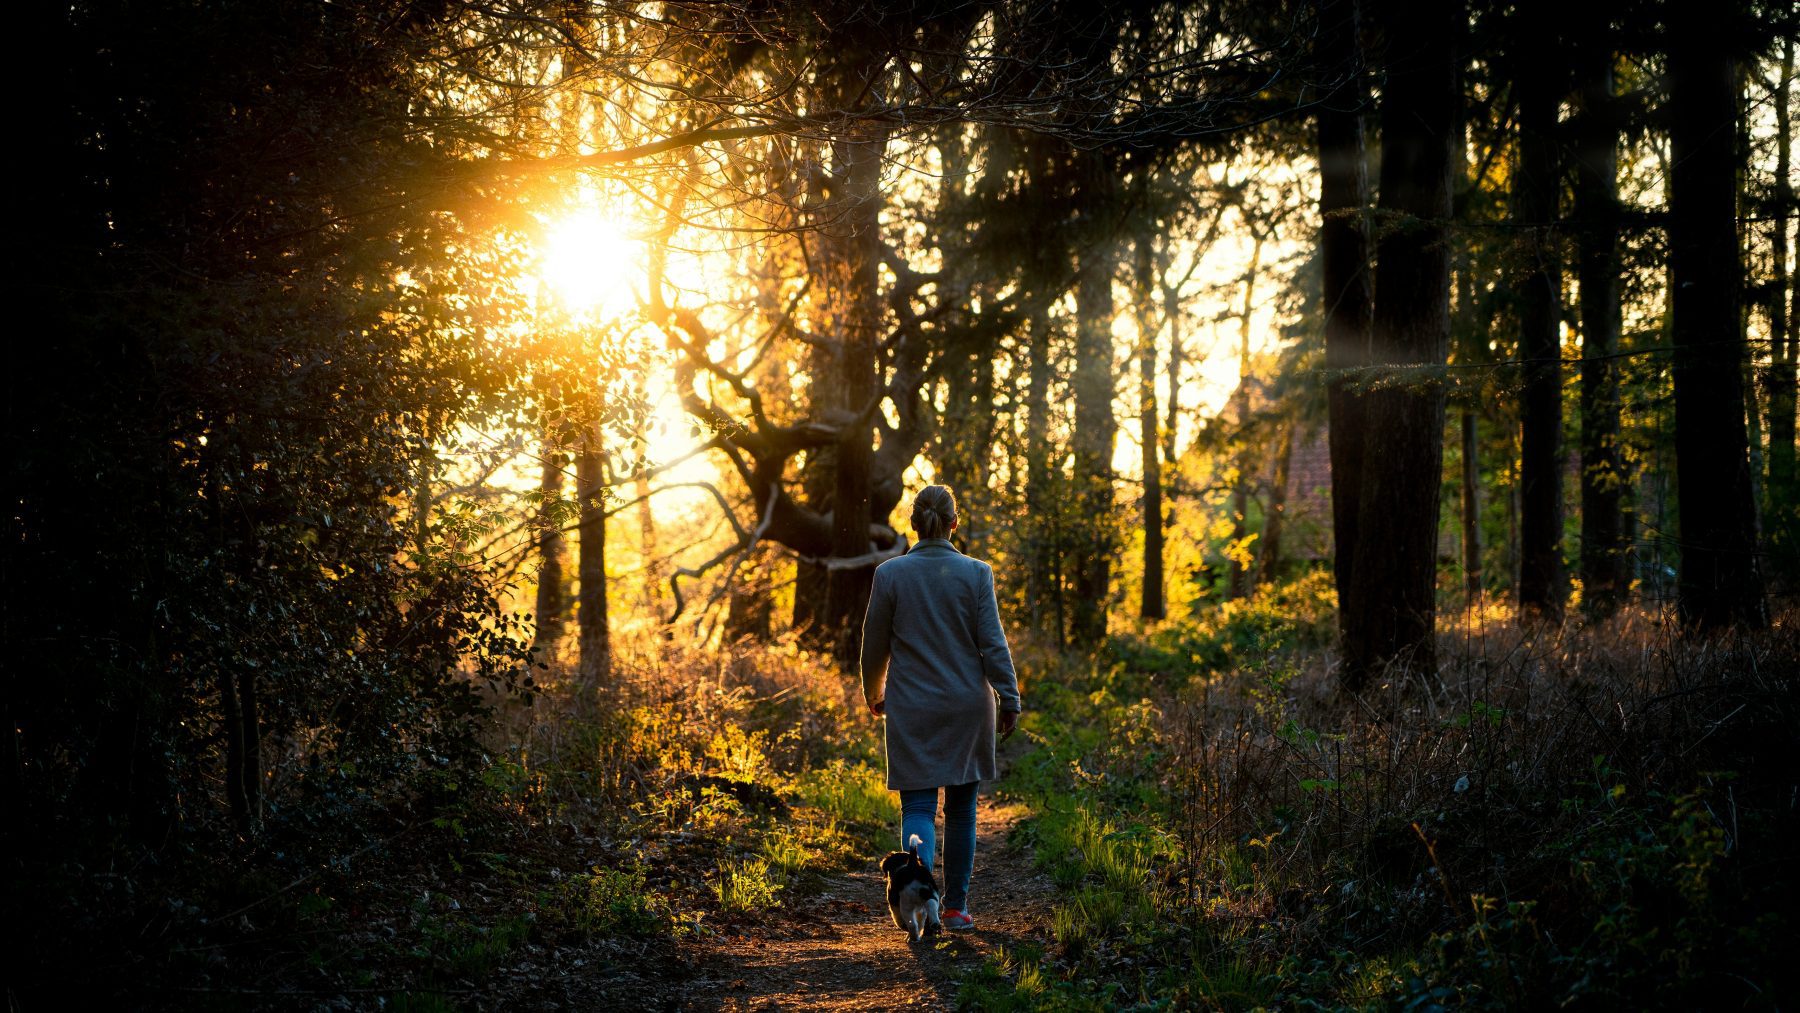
(841, 951)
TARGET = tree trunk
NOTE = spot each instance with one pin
(250, 739)
(238, 719)
(1043, 590)
(851, 247)
(640, 482)
(1344, 265)
(976, 497)
(749, 612)
(1391, 610)
(1603, 579)
(1782, 512)
(1237, 584)
(1151, 599)
(551, 605)
(1095, 427)
(1269, 559)
(1471, 507)
(1512, 522)
(1171, 427)
(964, 443)
(1720, 584)
(817, 468)
(1535, 188)
(595, 644)
(231, 724)
(810, 583)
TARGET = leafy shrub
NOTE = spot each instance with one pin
(744, 885)
(739, 754)
(605, 902)
(853, 792)
(456, 947)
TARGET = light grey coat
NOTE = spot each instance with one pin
(933, 646)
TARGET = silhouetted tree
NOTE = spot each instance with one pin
(1720, 582)
(1537, 183)
(1344, 267)
(1389, 614)
(1603, 575)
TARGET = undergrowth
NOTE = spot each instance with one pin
(693, 794)
(1590, 817)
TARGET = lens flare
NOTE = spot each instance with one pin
(589, 263)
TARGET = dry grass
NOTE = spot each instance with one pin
(1381, 818)
(667, 710)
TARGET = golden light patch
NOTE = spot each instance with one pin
(590, 264)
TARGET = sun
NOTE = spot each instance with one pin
(590, 263)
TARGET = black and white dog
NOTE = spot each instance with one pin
(912, 893)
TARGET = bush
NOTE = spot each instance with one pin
(1216, 807)
(604, 902)
(744, 885)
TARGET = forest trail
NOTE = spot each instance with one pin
(841, 951)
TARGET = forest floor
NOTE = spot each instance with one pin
(825, 942)
(839, 950)
(1192, 819)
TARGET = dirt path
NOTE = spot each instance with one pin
(841, 951)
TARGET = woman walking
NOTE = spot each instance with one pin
(934, 660)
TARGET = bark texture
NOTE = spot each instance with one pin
(1391, 609)
(595, 639)
(1471, 507)
(1603, 577)
(1344, 264)
(1720, 583)
(1783, 512)
(551, 606)
(1536, 185)
(1151, 599)
(1095, 426)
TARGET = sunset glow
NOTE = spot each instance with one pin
(591, 264)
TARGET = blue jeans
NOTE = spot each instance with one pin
(918, 815)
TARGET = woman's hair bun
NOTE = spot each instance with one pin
(933, 512)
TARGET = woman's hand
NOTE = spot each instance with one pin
(877, 708)
(1008, 721)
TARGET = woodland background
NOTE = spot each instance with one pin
(450, 443)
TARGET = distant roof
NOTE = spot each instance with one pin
(1308, 531)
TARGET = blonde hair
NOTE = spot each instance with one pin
(933, 512)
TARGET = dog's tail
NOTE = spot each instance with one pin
(912, 844)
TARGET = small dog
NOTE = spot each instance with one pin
(912, 893)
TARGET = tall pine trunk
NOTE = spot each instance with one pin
(1237, 584)
(1391, 610)
(852, 252)
(1095, 426)
(250, 772)
(1603, 578)
(640, 487)
(1783, 511)
(976, 505)
(550, 602)
(1471, 507)
(1043, 591)
(1344, 264)
(594, 640)
(1535, 189)
(965, 442)
(848, 314)
(1152, 606)
(1720, 583)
